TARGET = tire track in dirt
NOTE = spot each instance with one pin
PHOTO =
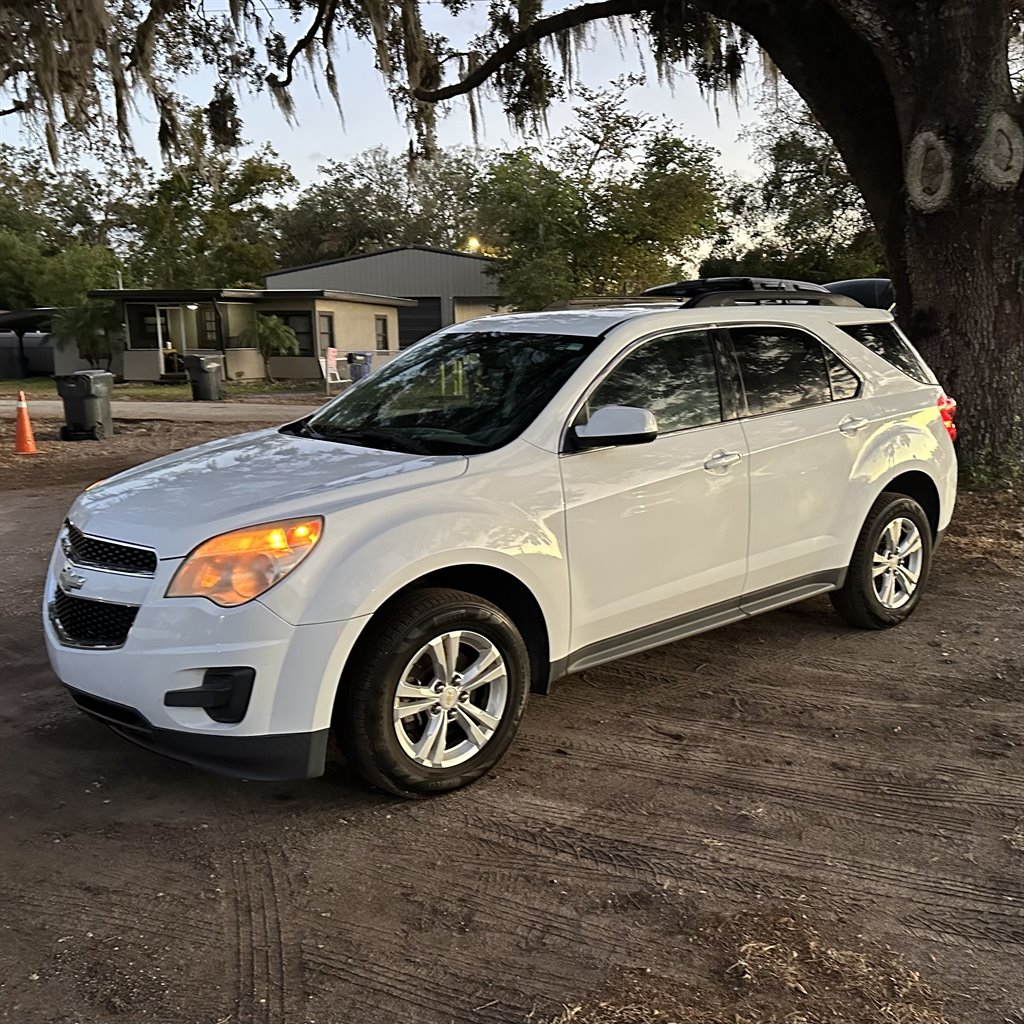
(992, 913)
(691, 871)
(708, 732)
(763, 696)
(121, 912)
(420, 992)
(268, 979)
(890, 802)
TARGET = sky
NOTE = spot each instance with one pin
(369, 119)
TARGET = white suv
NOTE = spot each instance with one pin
(509, 501)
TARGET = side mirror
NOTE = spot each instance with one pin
(615, 425)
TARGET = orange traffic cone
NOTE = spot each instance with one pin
(24, 439)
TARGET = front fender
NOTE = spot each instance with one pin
(372, 551)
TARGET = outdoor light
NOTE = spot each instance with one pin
(192, 305)
(473, 244)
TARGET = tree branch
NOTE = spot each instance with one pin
(18, 107)
(324, 15)
(530, 35)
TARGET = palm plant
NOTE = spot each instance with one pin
(272, 337)
(92, 328)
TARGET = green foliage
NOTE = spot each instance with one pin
(66, 277)
(57, 229)
(272, 337)
(207, 222)
(377, 200)
(615, 203)
(21, 258)
(803, 217)
(92, 327)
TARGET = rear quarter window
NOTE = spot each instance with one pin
(884, 340)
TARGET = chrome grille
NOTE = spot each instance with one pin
(107, 554)
(91, 623)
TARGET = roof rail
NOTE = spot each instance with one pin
(702, 285)
(762, 298)
(713, 298)
(604, 301)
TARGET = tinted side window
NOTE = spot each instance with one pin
(781, 368)
(674, 377)
(884, 340)
(845, 383)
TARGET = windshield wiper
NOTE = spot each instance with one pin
(376, 438)
(300, 429)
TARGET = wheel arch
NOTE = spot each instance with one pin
(493, 584)
(919, 486)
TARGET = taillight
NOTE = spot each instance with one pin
(947, 410)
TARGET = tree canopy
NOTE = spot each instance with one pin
(803, 217)
(614, 204)
(377, 200)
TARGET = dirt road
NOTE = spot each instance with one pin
(784, 820)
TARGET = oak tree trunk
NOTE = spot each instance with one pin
(959, 279)
(922, 111)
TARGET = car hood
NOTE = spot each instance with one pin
(175, 502)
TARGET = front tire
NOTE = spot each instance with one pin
(890, 565)
(433, 696)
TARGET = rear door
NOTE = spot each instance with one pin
(658, 531)
(806, 424)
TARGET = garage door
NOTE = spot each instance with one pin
(418, 321)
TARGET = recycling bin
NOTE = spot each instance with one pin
(359, 365)
(86, 397)
(205, 374)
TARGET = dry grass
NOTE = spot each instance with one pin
(989, 527)
(795, 978)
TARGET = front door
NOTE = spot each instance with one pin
(657, 531)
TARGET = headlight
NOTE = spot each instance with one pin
(236, 567)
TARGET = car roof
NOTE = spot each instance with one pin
(594, 322)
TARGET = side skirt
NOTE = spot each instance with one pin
(661, 633)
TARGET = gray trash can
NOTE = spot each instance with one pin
(86, 396)
(359, 365)
(205, 374)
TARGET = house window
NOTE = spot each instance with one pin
(325, 328)
(381, 329)
(301, 324)
(210, 335)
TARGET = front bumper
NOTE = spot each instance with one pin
(282, 756)
(173, 644)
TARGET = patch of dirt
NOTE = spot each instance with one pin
(781, 971)
(134, 441)
(785, 821)
(988, 529)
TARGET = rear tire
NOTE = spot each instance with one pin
(434, 693)
(890, 565)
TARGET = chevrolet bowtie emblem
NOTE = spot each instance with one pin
(69, 580)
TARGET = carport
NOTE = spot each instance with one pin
(24, 321)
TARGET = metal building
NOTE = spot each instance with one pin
(448, 286)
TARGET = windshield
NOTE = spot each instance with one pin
(456, 393)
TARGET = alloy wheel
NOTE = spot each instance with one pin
(897, 562)
(450, 699)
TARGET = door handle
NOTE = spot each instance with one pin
(852, 424)
(721, 460)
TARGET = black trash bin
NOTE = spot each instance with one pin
(205, 374)
(359, 365)
(86, 396)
